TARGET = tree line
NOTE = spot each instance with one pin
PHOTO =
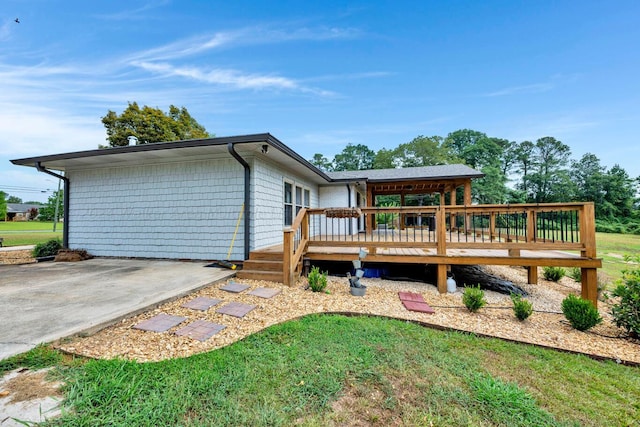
(515, 172)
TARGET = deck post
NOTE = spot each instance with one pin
(590, 285)
(441, 237)
(532, 275)
(587, 222)
(287, 255)
(442, 278)
(467, 202)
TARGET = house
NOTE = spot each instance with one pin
(183, 199)
(22, 211)
(252, 198)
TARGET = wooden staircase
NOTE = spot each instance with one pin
(262, 265)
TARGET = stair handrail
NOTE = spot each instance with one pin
(295, 243)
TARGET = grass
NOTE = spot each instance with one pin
(612, 248)
(20, 233)
(335, 370)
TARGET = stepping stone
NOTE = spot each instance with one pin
(201, 303)
(236, 309)
(265, 292)
(200, 330)
(410, 296)
(418, 306)
(160, 323)
(236, 288)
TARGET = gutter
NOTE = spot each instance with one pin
(247, 197)
(65, 203)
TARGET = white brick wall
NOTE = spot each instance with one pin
(177, 210)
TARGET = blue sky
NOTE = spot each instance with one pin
(319, 75)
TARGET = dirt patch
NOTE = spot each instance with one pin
(547, 326)
(16, 257)
(72, 255)
(29, 385)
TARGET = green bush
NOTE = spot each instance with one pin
(553, 273)
(581, 313)
(48, 248)
(473, 298)
(626, 311)
(521, 307)
(317, 280)
(576, 274)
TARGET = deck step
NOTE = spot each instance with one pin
(263, 265)
(266, 256)
(272, 276)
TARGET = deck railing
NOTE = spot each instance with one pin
(556, 226)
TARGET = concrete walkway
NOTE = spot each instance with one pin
(46, 301)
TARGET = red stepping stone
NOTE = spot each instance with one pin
(160, 323)
(236, 288)
(236, 309)
(418, 306)
(410, 296)
(265, 292)
(201, 303)
(200, 330)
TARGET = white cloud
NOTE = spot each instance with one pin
(26, 132)
(257, 35)
(229, 77)
(518, 90)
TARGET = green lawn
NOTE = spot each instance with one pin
(335, 370)
(28, 233)
(612, 248)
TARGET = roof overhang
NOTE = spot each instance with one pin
(262, 145)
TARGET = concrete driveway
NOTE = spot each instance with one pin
(46, 301)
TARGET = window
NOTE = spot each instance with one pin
(298, 199)
(288, 203)
(295, 195)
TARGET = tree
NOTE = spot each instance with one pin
(151, 125)
(486, 154)
(3, 205)
(321, 162)
(619, 193)
(589, 178)
(384, 159)
(548, 181)
(353, 158)
(48, 211)
(523, 153)
(14, 199)
(422, 151)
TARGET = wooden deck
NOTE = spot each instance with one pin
(518, 235)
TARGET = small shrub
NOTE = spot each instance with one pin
(576, 274)
(626, 312)
(317, 280)
(553, 273)
(473, 298)
(48, 248)
(580, 313)
(521, 307)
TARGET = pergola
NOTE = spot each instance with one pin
(440, 179)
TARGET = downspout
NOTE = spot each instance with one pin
(247, 198)
(65, 203)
